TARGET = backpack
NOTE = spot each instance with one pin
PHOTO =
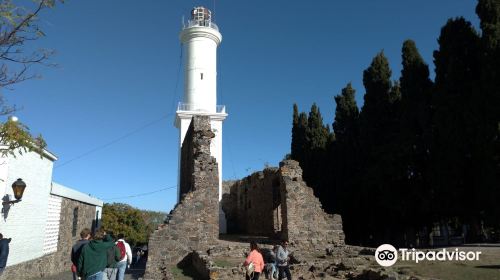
(250, 268)
(110, 257)
(123, 251)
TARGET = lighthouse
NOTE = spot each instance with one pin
(200, 38)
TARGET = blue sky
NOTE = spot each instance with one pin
(107, 110)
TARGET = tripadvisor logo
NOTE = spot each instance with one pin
(387, 255)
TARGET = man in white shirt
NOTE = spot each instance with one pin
(126, 260)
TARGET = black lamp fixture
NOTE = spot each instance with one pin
(18, 187)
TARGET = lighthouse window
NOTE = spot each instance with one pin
(201, 76)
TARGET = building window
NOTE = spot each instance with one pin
(75, 221)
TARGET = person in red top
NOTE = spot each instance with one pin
(256, 258)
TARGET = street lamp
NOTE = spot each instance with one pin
(18, 187)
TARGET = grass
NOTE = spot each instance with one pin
(183, 274)
(223, 263)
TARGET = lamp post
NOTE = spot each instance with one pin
(18, 187)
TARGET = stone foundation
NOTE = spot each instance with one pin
(60, 260)
(194, 222)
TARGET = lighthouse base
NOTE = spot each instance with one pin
(182, 121)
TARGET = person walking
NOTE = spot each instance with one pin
(255, 258)
(4, 252)
(76, 250)
(274, 263)
(126, 256)
(283, 259)
(93, 258)
(113, 257)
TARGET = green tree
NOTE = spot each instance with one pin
(488, 104)
(344, 158)
(378, 130)
(346, 122)
(413, 142)
(317, 132)
(317, 138)
(456, 122)
(19, 26)
(135, 224)
(295, 145)
(299, 142)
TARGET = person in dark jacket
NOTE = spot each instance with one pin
(4, 252)
(113, 257)
(77, 250)
(94, 258)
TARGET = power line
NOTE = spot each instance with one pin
(91, 151)
(136, 130)
(140, 194)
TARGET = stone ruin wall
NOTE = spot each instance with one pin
(194, 222)
(278, 204)
(308, 225)
(253, 205)
(60, 260)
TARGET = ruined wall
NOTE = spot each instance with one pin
(194, 222)
(308, 226)
(60, 260)
(278, 203)
(252, 205)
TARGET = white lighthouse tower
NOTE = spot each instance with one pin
(200, 39)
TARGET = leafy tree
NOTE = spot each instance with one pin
(317, 137)
(295, 145)
(413, 142)
(17, 138)
(378, 131)
(299, 142)
(489, 148)
(455, 121)
(344, 157)
(19, 26)
(346, 121)
(135, 224)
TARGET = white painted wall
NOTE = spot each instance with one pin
(200, 67)
(33, 223)
(52, 224)
(25, 221)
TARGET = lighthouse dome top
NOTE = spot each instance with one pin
(201, 17)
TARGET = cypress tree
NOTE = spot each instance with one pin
(344, 160)
(413, 143)
(455, 121)
(378, 130)
(317, 133)
(345, 125)
(488, 146)
(301, 140)
(295, 145)
(317, 137)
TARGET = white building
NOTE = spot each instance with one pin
(200, 39)
(47, 220)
